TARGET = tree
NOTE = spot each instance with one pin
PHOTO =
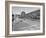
(23, 14)
(12, 17)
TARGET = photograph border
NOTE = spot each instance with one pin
(7, 19)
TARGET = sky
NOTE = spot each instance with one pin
(18, 10)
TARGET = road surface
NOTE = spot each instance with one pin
(26, 25)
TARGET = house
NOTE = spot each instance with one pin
(34, 14)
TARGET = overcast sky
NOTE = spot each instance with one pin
(18, 10)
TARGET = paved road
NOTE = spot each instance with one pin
(26, 25)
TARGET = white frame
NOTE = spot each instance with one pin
(24, 32)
